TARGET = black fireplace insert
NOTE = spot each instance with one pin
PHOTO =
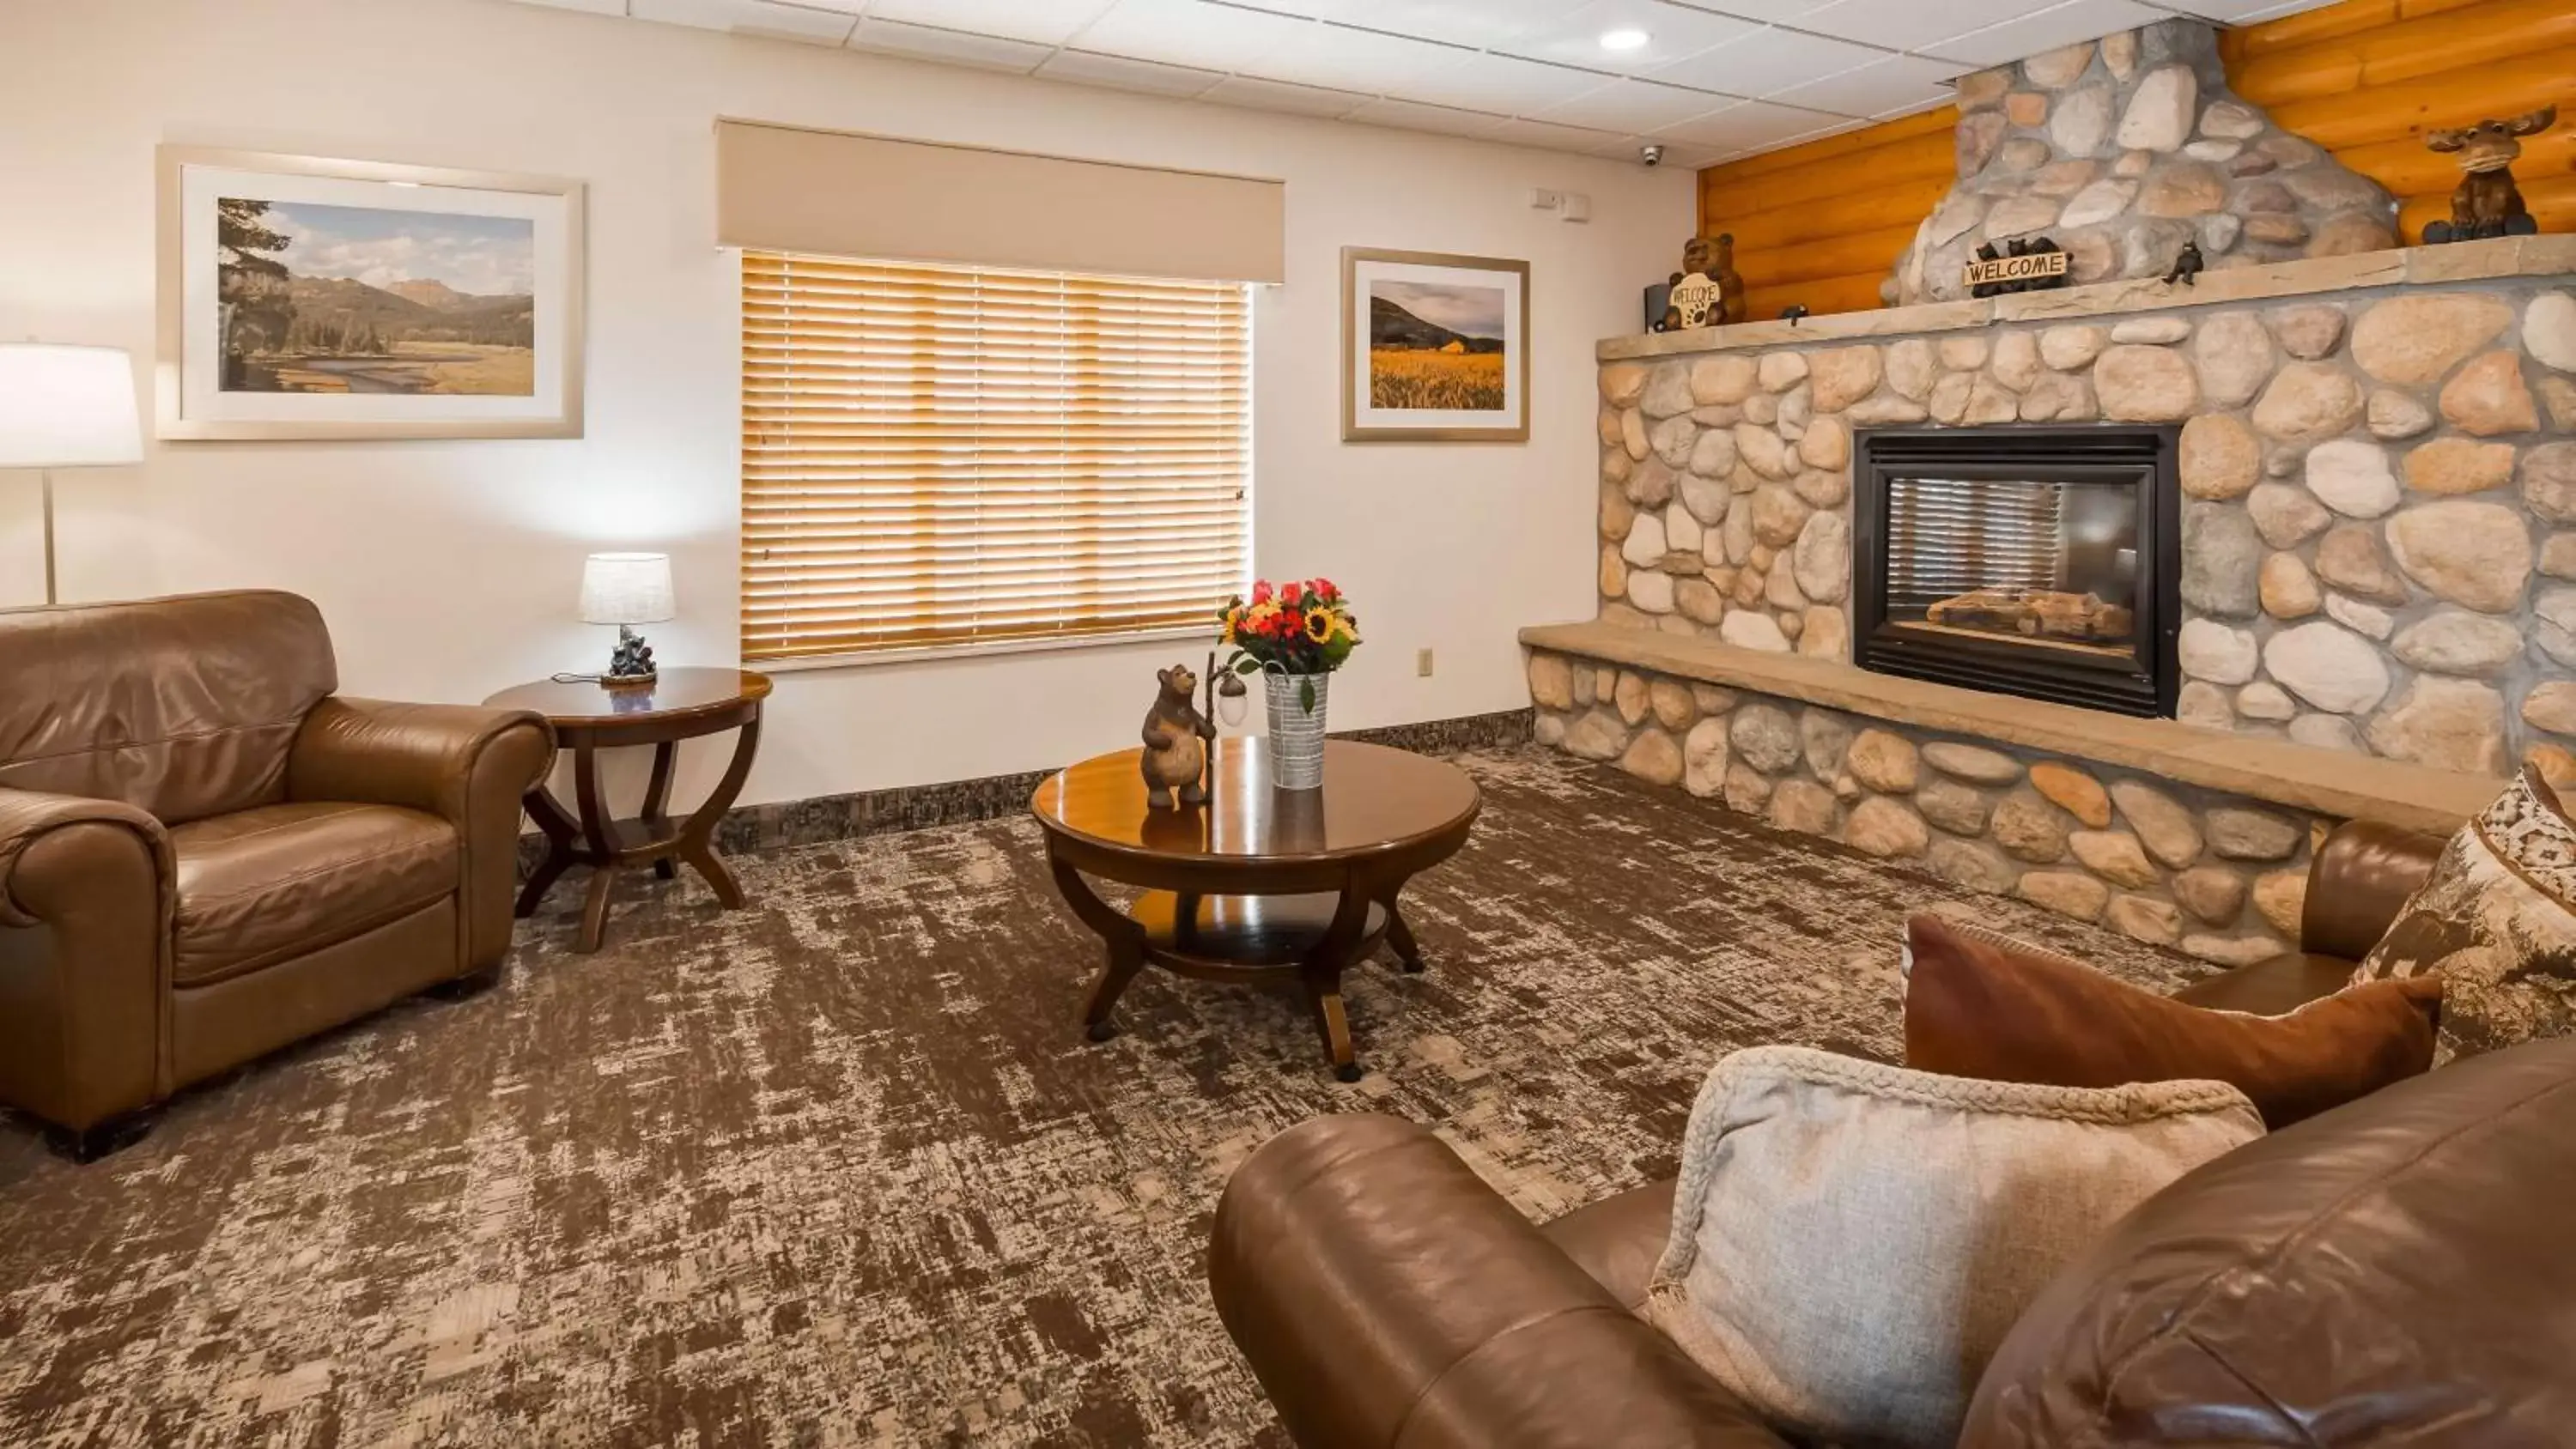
(2041, 560)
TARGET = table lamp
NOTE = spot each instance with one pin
(66, 407)
(626, 589)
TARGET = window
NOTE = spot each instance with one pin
(938, 457)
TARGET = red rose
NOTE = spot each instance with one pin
(1290, 593)
(1261, 591)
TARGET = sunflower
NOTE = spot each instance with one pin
(1319, 626)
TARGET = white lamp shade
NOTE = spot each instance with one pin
(626, 588)
(67, 407)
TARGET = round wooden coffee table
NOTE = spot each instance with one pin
(682, 704)
(1262, 885)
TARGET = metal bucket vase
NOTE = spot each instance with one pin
(1296, 733)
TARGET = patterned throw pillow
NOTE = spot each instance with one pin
(2498, 921)
(1852, 1240)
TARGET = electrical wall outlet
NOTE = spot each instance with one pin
(1422, 663)
(1543, 199)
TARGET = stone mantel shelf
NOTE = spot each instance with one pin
(2459, 262)
(2328, 782)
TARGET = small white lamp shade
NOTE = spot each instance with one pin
(67, 407)
(626, 588)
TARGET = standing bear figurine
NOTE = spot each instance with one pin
(1176, 740)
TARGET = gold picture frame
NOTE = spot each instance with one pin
(1417, 328)
(375, 338)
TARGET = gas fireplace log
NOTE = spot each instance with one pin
(2035, 613)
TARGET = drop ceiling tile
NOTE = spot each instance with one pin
(1348, 59)
(951, 47)
(1263, 95)
(1768, 12)
(1121, 73)
(1911, 24)
(1751, 125)
(1042, 22)
(811, 24)
(1191, 33)
(1414, 116)
(2046, 30)
(592, 7)
(1549, 137)
(1454, 22)
(1768, 62)
(1631, 106)
(1892, 83)
(2275, 12)
(1673, 32)
(2239, 11)
(1483, 81)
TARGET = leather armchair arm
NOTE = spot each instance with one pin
(39, 885)
(86, 896)
(1388, 1299)
(420, 756)
(468, 765)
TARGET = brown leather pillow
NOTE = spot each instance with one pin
(1982, 1005)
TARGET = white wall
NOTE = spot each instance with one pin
(447, 570)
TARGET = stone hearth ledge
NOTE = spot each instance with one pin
(2326, 782)
(2502, 257)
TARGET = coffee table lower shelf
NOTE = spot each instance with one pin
(1301, 942)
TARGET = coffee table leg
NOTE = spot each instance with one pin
(1323, 977)
(1123, 938)
(1398, 934)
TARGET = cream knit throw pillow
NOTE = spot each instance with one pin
(1852, 1240)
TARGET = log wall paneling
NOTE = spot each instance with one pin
(2367, 78)
(1824, 223)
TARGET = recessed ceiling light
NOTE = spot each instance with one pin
(1623, 39)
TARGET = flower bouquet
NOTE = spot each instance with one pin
(1299, 632)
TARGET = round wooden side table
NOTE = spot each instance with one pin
(1262, 885)
(682, 704)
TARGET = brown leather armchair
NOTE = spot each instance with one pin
(1385, 1296)
(205, 854)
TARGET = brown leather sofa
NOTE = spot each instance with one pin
(205, 854)
(2395, 1271)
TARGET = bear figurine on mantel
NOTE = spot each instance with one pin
(1176, 741)
(1707, 291)
(2123, 149)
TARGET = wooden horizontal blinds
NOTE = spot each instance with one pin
(943, 456)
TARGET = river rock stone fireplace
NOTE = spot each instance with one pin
(2040, 560)
(2318, 507)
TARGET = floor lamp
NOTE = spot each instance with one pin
(66, 407)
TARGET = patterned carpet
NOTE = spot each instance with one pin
(841, 1169)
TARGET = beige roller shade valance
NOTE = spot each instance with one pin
(831, 193)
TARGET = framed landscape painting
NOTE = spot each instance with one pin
(1434, 347)
(309, 298)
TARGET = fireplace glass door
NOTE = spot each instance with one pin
(2036, 561)
(2053, 564)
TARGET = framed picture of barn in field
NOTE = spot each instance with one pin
(1434, 348)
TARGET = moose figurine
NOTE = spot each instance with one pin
(2487, 202)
